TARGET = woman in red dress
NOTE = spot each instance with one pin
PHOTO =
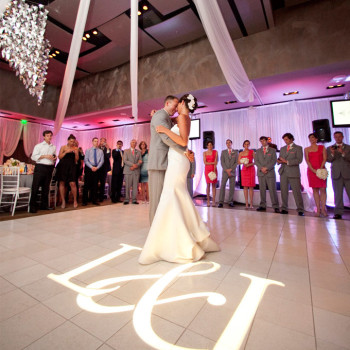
(316, 156)
(246, 157)
(210, 158)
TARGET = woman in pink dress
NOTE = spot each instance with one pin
(210, 158)
(316, 156)
(246, 158)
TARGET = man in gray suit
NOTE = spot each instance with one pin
(190, 176)
(132, 162)
(265, 159)
(290, 157)
(339, 156)
(158, 152)
(229, 161)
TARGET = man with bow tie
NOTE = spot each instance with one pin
(339, 156)
(132, 164)
(117, 172)
(265, 159)
(291, 155)
(229, 162)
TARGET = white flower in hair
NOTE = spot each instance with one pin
(192, 102)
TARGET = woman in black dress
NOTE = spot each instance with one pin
(66, 169)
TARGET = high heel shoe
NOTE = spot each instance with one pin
(75, 205)
(251, 206)
(246, 206)
(63, 205)
(208, 203)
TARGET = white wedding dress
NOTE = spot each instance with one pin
(178, 234)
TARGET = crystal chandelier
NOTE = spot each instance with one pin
(23, 45)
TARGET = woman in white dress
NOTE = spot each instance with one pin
(178, 234)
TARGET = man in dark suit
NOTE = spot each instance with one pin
(190, 176)
(265, 159)
(106, 167)
(229, 162)
(132, 161)
(117, 172)
(290, 157)
(339, 156)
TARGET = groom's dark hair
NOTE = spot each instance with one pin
(170, 98)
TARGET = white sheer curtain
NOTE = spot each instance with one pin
(10, 133)
(134, 57)
(275, 120)
(226, 54)
(32, 134)
(71, 63)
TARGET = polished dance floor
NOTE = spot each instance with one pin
(71, 280)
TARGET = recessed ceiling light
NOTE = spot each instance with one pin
(50, 56)
(54, 55)
(95, 32)
(84, 38)
(229, 102)
(335, 86)
(145, 7)
(87, 35)
(139, 13)
(57, 52)
(291, 93)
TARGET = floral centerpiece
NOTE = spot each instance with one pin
(322, 174)
(12, 162)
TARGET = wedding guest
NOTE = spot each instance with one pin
(117, 172)
(291, 155)
(246, 158)
(316, 157)
(106, 167)
(44, 154)
(270, 144)
(229, 162)
(144, 172)
(132, 161)
(66, 170)
(93, 160)
(210, 158)
(190, 175)
(339, 156)
(265, 159)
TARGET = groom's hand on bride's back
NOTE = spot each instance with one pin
(190, 155)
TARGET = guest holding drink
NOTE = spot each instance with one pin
(316, 157)
(144, 172)
(246, 158)
(66, 169)
(210, 158)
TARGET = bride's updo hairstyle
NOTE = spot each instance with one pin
(190, 102)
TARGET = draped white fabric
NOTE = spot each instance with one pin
(71, 63)
(32, 134)
(10, 133)
(226, 54)
(134, 56)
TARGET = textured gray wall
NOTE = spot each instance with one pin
(14, 97)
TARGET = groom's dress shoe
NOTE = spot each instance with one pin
(220, 205)
(284, 211)
(337, 217)
(261, 209)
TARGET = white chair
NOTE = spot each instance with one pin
(10, 191)
(53, 189)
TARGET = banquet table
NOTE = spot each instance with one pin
(26, 180)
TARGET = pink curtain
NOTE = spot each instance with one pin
(10, 133)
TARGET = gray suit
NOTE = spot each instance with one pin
(267, 180)
(290, 174)
(340, 172)
(158, 159)
(191, 172)
(131, 176)
(228, 161)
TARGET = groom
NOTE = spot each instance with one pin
(158, 152)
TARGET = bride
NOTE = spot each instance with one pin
(178, 234)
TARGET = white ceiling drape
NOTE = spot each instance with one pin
(226, 54)
(71, 63)
(134, 31)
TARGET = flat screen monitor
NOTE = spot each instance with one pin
(195, 132)
(341, 113)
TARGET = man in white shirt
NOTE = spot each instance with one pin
(44, 154)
